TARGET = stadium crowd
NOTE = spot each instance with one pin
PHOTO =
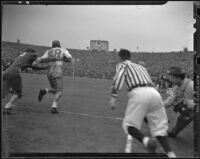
(101, 65)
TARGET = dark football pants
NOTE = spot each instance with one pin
(14, 82)
(181, 123)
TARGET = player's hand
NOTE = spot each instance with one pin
(113, 103)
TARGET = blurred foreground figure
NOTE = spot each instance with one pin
(182, 99)
(144, 102)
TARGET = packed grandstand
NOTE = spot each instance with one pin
(95, 64)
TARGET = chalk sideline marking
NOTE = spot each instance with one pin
(84, 114)
(89, 115)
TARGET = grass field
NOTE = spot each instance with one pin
(85, 122)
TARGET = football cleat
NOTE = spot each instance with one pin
(41, 94)
(171, 154)
(128, 144)
(54, 111)
(151, 146)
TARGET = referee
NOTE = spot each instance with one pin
(144, 101)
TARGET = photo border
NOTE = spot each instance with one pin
(196, 65)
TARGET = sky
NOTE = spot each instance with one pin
(159, 28)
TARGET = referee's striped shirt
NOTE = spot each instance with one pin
(133, 74)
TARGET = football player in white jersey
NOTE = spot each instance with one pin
(55, 73)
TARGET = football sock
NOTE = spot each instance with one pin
(164, 142)
(128, 144)
(54, 105)
(135, 133)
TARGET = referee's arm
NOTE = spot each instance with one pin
(118, 80)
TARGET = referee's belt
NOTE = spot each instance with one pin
(142, 85)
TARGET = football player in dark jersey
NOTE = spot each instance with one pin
(12, 79)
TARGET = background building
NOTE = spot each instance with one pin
(99, 45)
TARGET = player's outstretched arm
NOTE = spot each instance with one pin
(35, 66)
(46, 60)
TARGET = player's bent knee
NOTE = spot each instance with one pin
(59, 93)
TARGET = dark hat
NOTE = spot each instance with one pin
(124, 54)
(55, 43)
(176, 71)
(30, 50)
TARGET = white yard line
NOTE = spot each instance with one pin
(84, 114)
(90, 115)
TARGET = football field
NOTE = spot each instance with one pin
(85, 123)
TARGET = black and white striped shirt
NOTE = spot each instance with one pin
(133, 74)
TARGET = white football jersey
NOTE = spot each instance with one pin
(56, 53)
(56, 66)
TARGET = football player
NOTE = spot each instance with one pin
(12, 79)
(55, 73)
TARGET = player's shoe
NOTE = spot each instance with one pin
(151, 146)
(41, 94)
(7, 111)
(171, 154)
(54, 111)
